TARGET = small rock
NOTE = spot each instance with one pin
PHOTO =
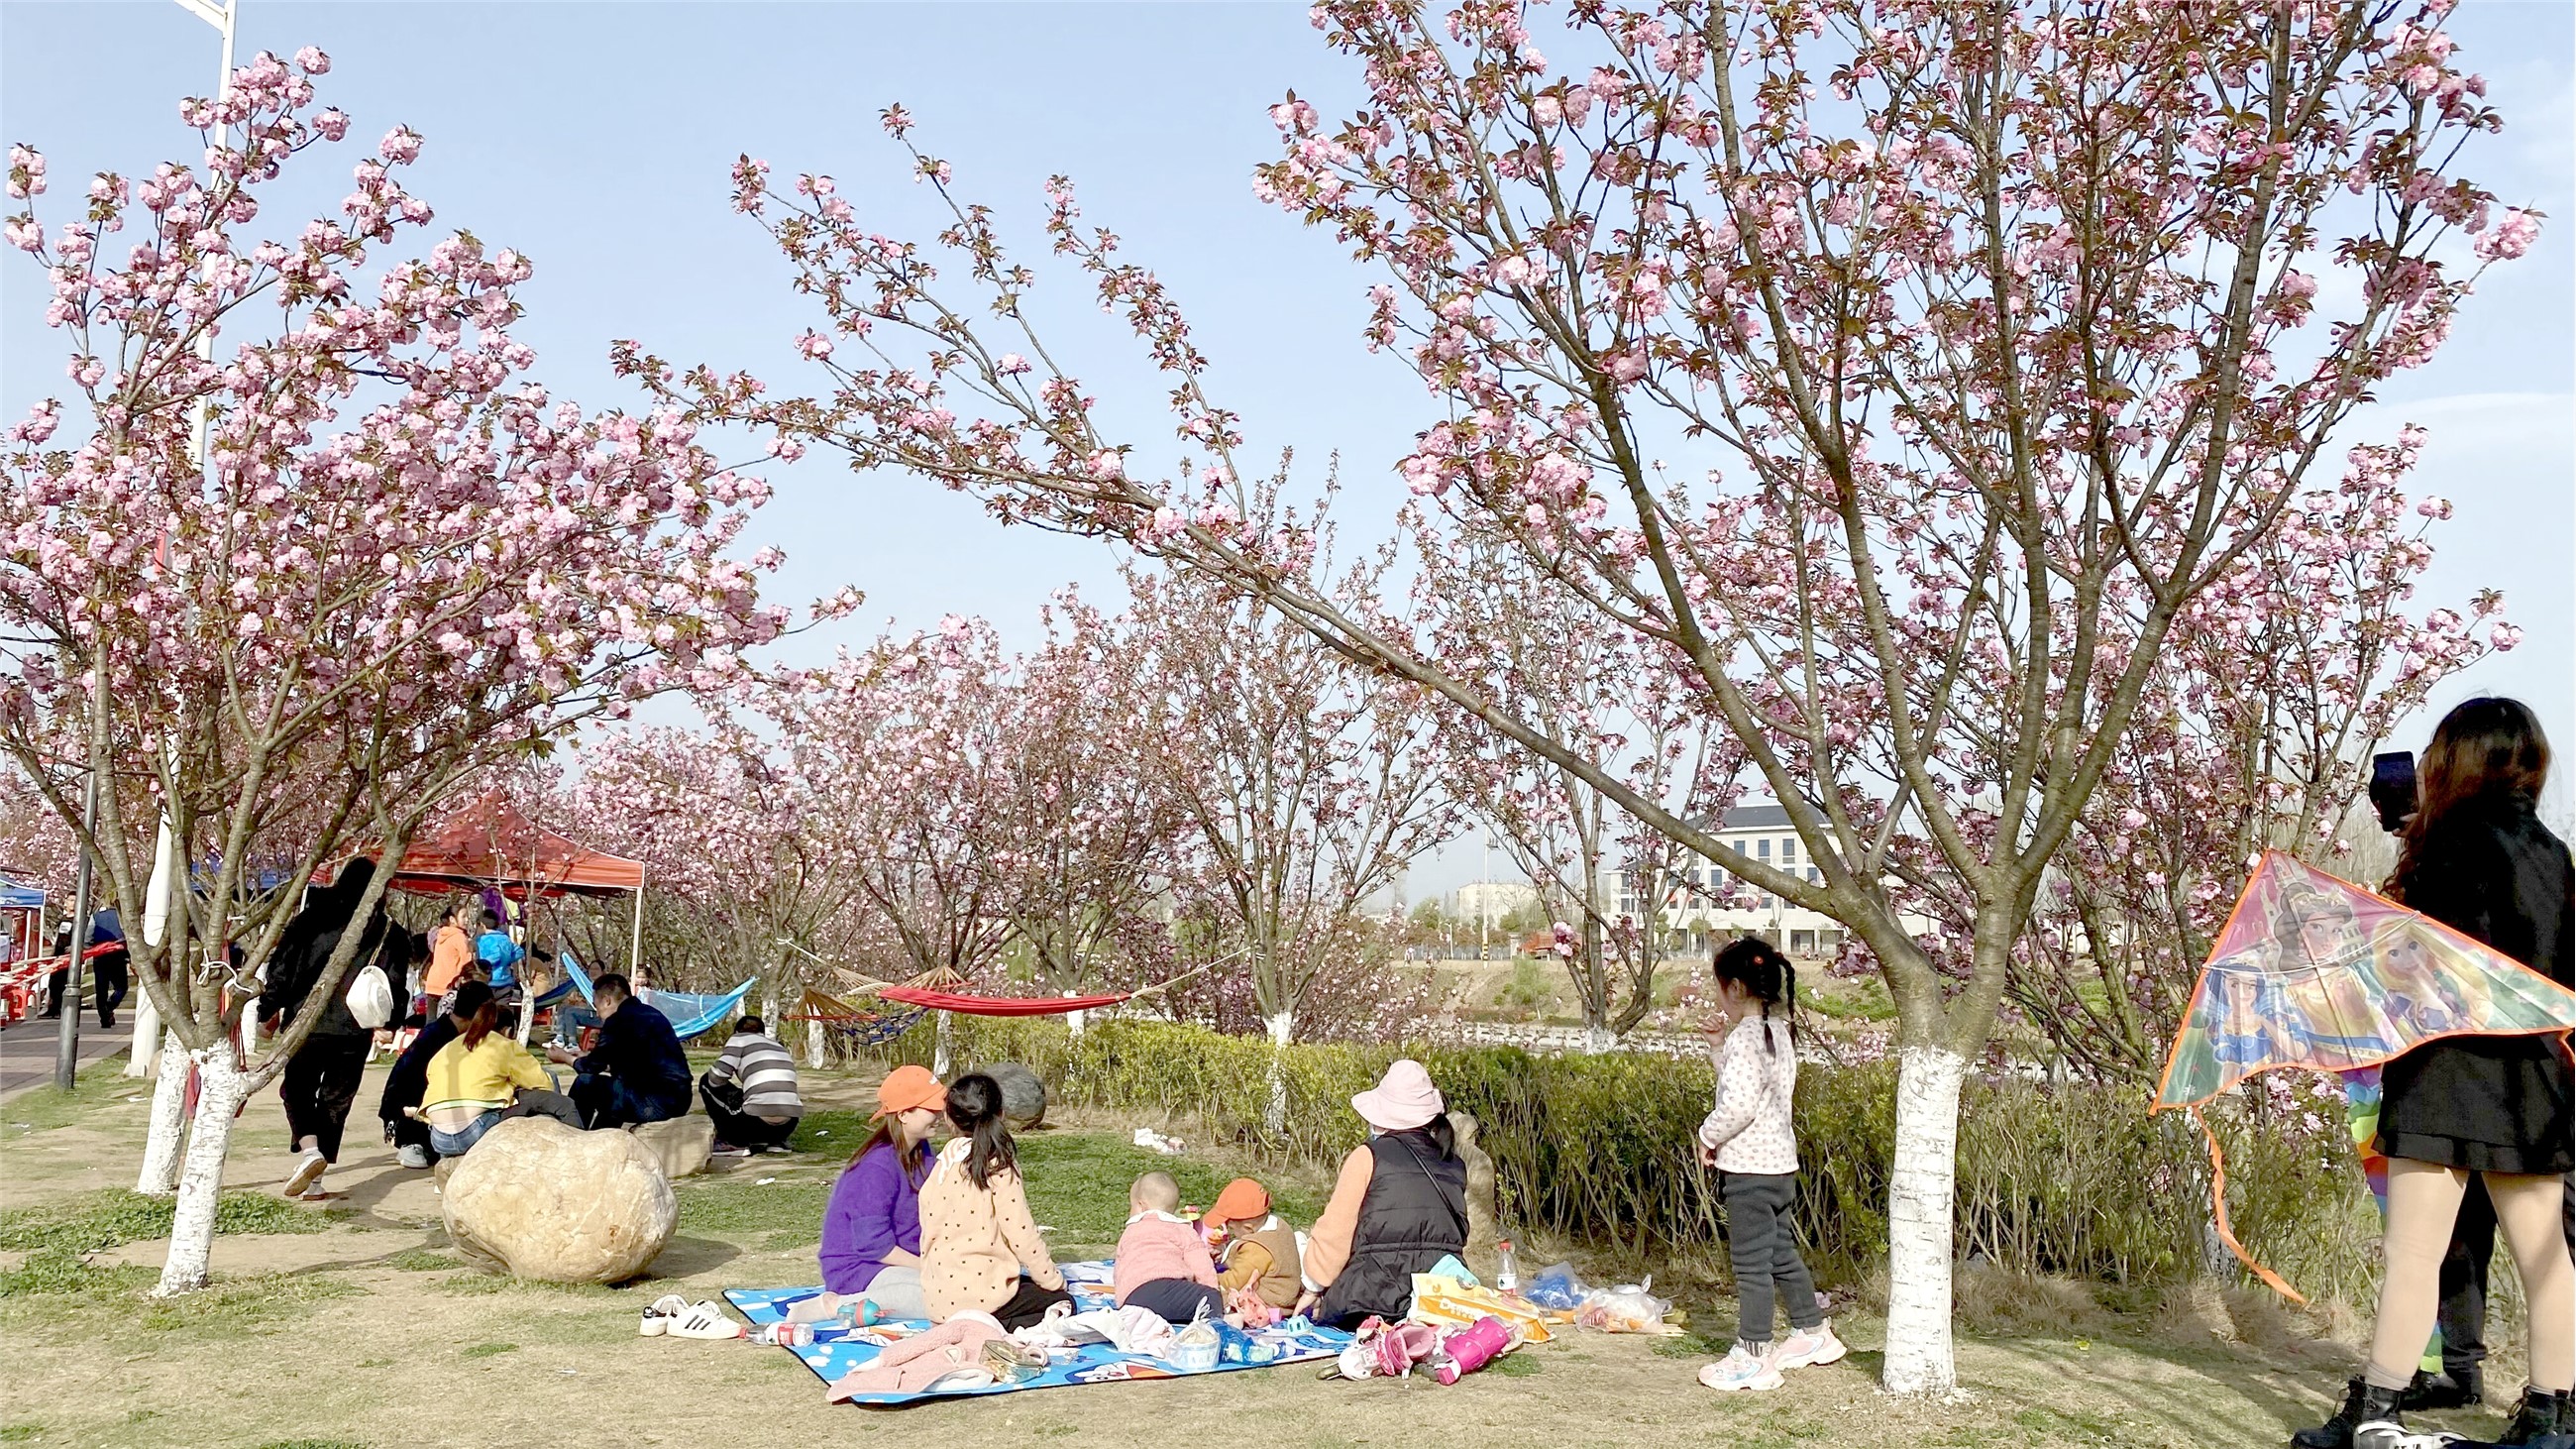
(680, 1144)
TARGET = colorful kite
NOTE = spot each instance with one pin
(2315, 972)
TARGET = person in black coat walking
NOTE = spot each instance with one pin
(321, 1080)
(2497, 1108)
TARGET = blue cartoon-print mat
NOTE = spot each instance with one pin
(837, 1350)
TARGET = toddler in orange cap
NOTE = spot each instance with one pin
(1258, 1271)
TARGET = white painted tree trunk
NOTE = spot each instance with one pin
(1921, 1193)
(1281, 1024)
(1599, 1039)
(160, 1175)
(939, 1062)
(192, 1231)
(818, 1045)
(1074, 1023)
(147, 1018)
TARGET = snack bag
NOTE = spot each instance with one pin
(1447, 1303)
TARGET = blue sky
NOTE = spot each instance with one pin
(606, 159)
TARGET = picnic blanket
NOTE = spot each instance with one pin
(837, 1350)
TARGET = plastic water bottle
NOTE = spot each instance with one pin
(1507, 1277)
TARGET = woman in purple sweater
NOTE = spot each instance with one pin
(872, 1227)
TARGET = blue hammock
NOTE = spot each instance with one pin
(691, 1012)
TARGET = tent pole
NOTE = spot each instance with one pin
(635, 942)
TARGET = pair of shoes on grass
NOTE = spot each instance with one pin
(1760, 1370)
(672, 1316)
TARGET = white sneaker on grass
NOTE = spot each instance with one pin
(1741, 1369)
(1808, 1348)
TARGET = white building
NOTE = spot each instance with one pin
(1690, 896)
(1491, 900)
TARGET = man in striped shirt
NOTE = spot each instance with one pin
(751, 1092)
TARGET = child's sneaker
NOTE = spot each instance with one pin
(1741, 1370)
(1808, 1348)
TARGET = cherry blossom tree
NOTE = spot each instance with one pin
(1085, 808)
(2255, 732)
(1595, 694)
(742, 876)
(1985, 338)
(1308, 785)
(903, 749)
(400, 562)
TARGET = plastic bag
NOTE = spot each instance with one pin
(1630, 1308)
(1555, 1286)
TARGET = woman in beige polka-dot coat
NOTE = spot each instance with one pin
(980, 1249)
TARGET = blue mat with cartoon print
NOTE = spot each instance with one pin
(837, 1350)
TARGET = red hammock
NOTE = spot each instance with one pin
(997, 1005)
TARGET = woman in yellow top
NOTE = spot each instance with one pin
(484, 1076)
(980, 1250)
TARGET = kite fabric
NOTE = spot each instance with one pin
(997, 1005)
(2314, 972)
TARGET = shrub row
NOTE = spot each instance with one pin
(2070, 1180)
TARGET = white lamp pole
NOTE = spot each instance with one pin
(166, 863)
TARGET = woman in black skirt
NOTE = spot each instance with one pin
(2477, 859)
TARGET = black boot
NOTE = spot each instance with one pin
(2453, 1388)
(2362, 1403)
(2539, 1413)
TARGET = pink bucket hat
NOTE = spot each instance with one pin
(1403, 1098)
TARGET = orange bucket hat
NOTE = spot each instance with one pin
(907, 1087)
(1242, 1201)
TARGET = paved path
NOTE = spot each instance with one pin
(27, 1050)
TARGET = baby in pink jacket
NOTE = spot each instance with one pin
(1163, 1264)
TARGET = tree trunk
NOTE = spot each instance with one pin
(222, 1087)
(1598, 1038)
(160, 1175)
(818, 1045)
(1921, 1193)
(939, 1062)
(1074, 1023)
(1274, 1117)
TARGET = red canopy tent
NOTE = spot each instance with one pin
(489, 843)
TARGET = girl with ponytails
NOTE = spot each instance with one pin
(1749, 1140)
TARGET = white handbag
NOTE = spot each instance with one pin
(370, 997)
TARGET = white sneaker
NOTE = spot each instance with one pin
(306, 1170)
(412, 1154)
(1807, 1350)
(1741, 1370)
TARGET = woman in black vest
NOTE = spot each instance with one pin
(1398, 1207)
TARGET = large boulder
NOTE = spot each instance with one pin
(680, 1144)
(540, 1200)
(1024, 1097)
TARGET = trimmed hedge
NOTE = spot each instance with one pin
(2068, 1180)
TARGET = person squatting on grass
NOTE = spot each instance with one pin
(750, 1092)
(1749, 1140)
(1163, 1264)
(871, 1246)
(980, 1250)
(2476, 858)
